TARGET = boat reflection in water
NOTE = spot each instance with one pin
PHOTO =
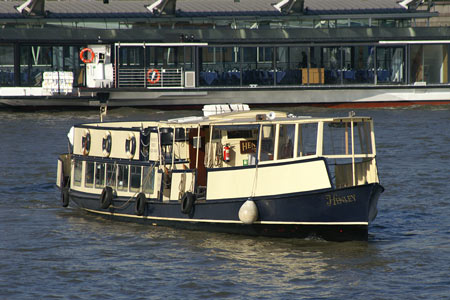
(234, 170)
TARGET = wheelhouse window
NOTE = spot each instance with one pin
(306, 139)
(100, 169)
(77, 172)
(338, 138)
(267, 143)
(286, 139)
(89, 174)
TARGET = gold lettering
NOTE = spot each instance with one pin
(333, 200)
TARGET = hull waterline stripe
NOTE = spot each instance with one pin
(225, 221)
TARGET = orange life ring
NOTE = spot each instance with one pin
(91, 55)
(151, 74)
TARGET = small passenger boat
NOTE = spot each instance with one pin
(240, 171)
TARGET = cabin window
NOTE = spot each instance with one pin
(77, 171)
(89, 175)
(100, 175)
(239, 134)
(148, 180)
(135, 178)
(338, 138)
(286, 141)
(111, 175)
(307, 139)
(267, 142)
(122, 177)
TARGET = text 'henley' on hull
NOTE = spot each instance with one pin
(234, 170)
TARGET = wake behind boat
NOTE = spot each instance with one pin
(234, 170)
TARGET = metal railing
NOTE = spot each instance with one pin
(150, 78)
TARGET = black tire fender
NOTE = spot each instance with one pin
(141, 202)
(106, 197)
(65, 196)
(187, 202)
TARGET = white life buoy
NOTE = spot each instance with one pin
(107, 144)
(86, 142)
(130, 145)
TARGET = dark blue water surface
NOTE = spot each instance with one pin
(49, 252)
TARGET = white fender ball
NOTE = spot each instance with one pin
(248, 213)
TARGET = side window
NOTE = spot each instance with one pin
(135, 178)
(267, 142)
(286, 141)
(111, 175)
(77, 171)
(99, 175)
(122, 177)
(148, 180)
(89, 175)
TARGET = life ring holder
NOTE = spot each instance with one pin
(86, 142)
(187, 203)
(91, 55)
(151, 76)
(107, 144)
(106, 197)
(140, 204)
(130, 145)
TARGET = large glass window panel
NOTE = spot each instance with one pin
(332, 63)
(6, 66)
(362, 70)
(416, 62)
(220, 66)
(249, 66)
(34, 61)
(290, 62)
(434, 63)
(131, 57)
(390, 64)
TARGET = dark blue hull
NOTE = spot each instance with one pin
(338, 215)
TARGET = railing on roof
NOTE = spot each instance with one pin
(151, 78)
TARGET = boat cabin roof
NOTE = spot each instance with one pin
(254, 117)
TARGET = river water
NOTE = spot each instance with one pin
(49, 252)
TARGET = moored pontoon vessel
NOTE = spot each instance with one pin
(246, 172)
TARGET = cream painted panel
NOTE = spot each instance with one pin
(273, 180)
(181, 183)
(118, 138)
